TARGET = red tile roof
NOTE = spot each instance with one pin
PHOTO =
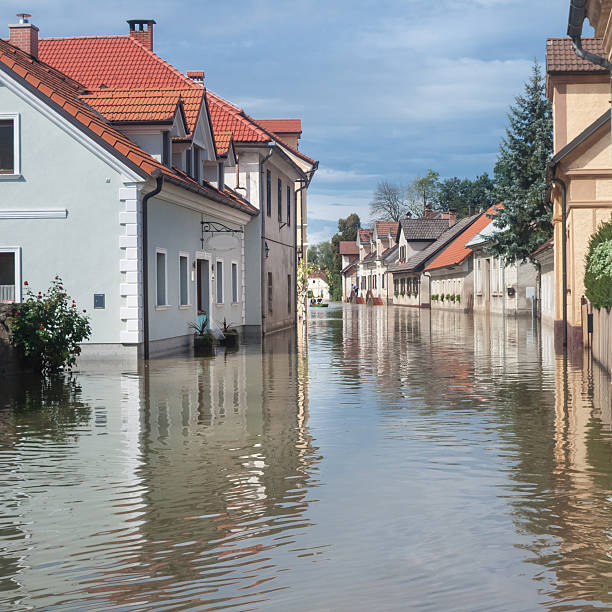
(384, 228)
(281, 126)
(348, 247)
(561, 57)
(549, 244)
(144, 105)
(121, 62)
(318, 274)
(365, 235)
(62, 94)
(456, 251)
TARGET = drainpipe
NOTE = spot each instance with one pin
(561, 184)
(575, 21)
(145, 261)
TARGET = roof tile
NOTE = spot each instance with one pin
(561, 57)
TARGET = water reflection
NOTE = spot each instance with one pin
(398, 459)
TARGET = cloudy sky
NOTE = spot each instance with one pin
(385, 89)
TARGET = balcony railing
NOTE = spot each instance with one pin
(7, 293)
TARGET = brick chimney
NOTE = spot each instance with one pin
(452, 217)
(142, 31)
(24, 35)
(197, 76)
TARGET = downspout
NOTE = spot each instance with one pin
(575, 22)
(145, 262)
(263, 214)
(561, 184)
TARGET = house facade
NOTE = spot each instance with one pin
(545, 282)
(582, 164)
(318, 287)
(349, 252)
(163, 220)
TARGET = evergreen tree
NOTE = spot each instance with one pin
(520, 174)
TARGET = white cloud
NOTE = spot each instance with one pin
(332, 175)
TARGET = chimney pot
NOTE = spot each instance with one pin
(139, 33)
(24, 35)
(196, 75)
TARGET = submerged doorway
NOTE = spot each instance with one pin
(203, 282)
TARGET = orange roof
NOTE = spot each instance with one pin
(384, 228)
(348, 247)
(145, 105)
(456, 251)
(63, 94)
(365, 235)
(121, 62)
(282, 126)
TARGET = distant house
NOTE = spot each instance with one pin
(418, 240)
(349, 251)
(318, 286)
(546, 282)
(500, 288)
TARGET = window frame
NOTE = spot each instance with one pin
(219, 302)
(184, 255)
(18, 293)
(270, 293)
(279, 197)
(164, 252)
(268, 193)
(166, 149)
(16, 119)
(196, 163)
(288, 205)
(235, 289)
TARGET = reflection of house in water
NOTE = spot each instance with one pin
(226, 465)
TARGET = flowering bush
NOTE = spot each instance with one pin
(47, 328)
(598, 272)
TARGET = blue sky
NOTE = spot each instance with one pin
(385, 89)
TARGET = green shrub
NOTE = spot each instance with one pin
(598, 272)
(452, 297)
(47, 329)
(458, 297)
(448, 296)
(434, 297)
(441, 297)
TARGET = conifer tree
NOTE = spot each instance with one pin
(520, 174)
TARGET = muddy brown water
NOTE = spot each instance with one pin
(396, 460)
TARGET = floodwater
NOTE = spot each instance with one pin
(400, 460)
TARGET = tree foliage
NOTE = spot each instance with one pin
(47, 328)
(520, 174)
(422, 193)
(388, 202)
(598, 271)
(466, 196)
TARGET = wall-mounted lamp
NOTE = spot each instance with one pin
(266, 249)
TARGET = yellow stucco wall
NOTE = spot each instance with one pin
(585, 103)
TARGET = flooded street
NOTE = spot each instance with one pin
(402, 460)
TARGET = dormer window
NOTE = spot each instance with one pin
(166, 149)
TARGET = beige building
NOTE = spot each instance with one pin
(582, 162)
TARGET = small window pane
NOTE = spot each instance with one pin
(288, 205)
(184, 280)
(161, 279)
(268, 193)
(7, 146)
(234, 283)
(7, 277)
(219, 282)
(279, 198)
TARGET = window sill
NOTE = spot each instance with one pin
(236, 303)
(184, 306)
(162, 307)
(9, 177)
(219, 304)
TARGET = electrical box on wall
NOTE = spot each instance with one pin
(99, 301)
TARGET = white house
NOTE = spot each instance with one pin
(150, 233)
(546, 282)
(318, 286)
(349, 251)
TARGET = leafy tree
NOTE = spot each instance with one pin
(423, 193)
(466, 196)
(388, 202)
(520, 174)
(313, 254)
(348, 228)
(598, 271)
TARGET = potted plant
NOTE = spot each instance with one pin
(458, 298)
(231, 336)
(452, 297)
(203, 340)
(441, 297)
(402, 293)
(448, 296)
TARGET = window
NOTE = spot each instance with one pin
(289, 205)
(188, 162)
(234, 282)
(196, 164)
(279, 199)
(396, 286)
(183, 279)
(10, 280)
(219, 282)
(9, 146)
(289, 294)
(383, 281)
(478, 276)
(269, 292)
(161, 276)
(268, 193)
(166, 150)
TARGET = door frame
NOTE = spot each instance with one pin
(203, 256)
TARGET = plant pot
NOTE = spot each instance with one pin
(203, 345)
(232, 338)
